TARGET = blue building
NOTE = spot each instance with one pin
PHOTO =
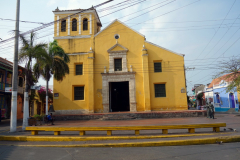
(222, 100)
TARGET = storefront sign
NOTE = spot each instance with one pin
(8, 89)
(56, 95)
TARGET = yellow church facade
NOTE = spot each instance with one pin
(114, 69)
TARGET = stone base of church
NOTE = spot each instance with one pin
(70, 112)
(129, 115)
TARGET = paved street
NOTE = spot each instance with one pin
(230, 151)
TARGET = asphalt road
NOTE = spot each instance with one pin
(229, 151)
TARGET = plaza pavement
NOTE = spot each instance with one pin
(127, 138)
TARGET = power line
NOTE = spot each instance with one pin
(217, 29)
(51, 23)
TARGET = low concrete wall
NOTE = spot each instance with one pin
(136, 115)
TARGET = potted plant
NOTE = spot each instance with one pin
(39, 119)
(32, 121)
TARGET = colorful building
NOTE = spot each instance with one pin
(223, 101)
(6, 68)
(114, 69)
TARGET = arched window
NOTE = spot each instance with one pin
(85, 24)
(63, 26)
(74, 25)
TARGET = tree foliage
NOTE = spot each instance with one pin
(28, 52)
(230, 72)
(54, 64)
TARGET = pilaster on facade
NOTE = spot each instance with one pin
(69, 25)
(80, 23)
(57, 25)
(90, 73)
(146, 86)
(90, 22)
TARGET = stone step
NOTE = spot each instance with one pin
(118, 117)
(132, 115)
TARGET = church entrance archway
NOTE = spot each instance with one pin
(119, 96)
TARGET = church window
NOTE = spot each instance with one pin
(74, 25)
(160, 90)
(85, 24)
(157, 67)
(79, 69)
(117, 64)
(63, 26)
(79, 93)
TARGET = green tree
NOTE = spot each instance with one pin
(55, 64)
(28, 52)
(230, 72)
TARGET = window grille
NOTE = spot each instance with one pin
(74, 25)
(117, 64)
(160, 90)
(63, 26)
(85, 24)
(79, 69)
(157, 67)
(78, 93)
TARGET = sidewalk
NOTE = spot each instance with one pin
(127, 138)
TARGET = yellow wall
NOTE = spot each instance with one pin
(172, 71)
(172, 75)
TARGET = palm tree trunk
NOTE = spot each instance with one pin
(26, 106)
(46, 97)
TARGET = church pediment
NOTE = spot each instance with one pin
(117, 48)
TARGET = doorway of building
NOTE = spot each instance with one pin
(119, 96)
(232, 101)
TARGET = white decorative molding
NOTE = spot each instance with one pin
(69, 25)
(74, 54)
(72, 12)
(80, 23)
(117, 54)
(165, 48)
(119, 77)
(122, 24)
(57, 25)
(90, 21)
(72, 37)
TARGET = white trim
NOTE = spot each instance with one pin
(72, 37)
(90, 21)
(122, 24)
(165, 48)
(57, 25)
(80, 23)
(74, 54)
(72, 12)
(69, 25)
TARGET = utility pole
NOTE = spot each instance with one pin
(13, 123)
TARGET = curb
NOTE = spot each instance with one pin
(65, 138)
(225, 139)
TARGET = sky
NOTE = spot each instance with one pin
(205, 31)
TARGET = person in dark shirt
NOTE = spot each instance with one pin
(50, 118)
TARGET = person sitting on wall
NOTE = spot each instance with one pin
(50, 118)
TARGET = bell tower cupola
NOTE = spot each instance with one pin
(77, 22)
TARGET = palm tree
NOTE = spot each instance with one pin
(55, 64)
(28, 52)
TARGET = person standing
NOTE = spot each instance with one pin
(50, 118)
